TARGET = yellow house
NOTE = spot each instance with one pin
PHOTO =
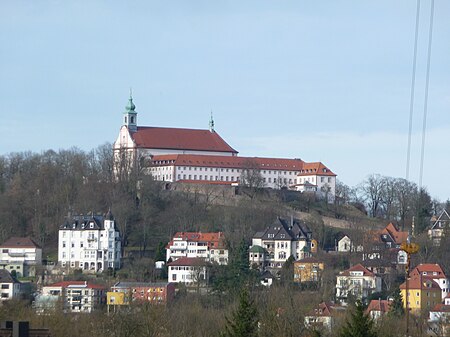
(308, 270)
(116, 298)
(423, 294)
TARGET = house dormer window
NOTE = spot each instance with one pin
(91, 225)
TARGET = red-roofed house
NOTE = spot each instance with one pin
(439, 321)
(392, 237)
(433, 271)
(202, 156)
(423, 293)
(324, 316)
(21, 255)
(209, 246)
(189, 270)
(76, 296)
(357, 281)
(378, 308)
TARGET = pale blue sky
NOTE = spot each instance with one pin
(318, 80)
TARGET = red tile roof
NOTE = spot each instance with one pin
(18, 242)
(214, 240)
(326, 309)
(417, 282)
(187, 261)
(397, 235)
(441, 307)
(280, 164)
(429, 268)
(65, 284)
(180, 139)
(358, 267)
(379, 305)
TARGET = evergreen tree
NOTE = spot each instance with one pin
(244, 321)
(360, 325)
(396, 309)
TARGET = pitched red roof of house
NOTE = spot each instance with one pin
(236, 162)
(441, 307)
(187, 261)
(417, 282)
(18, 242)
(397, 235)
(315, 168)
(326, 309)
(379, 305)
(214, 240)
(180, 139)
(65, 284)
(357, 267)
(429, 269)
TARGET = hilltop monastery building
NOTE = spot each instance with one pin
(202, 156)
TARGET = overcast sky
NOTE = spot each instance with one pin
(318, 80)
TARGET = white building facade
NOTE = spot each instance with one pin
(357, 281)
(9, 287)
(22, 255)
(90, 243)
(76, 296)
(285, 238)
(208, 246)
(198, 155)
(188, 270)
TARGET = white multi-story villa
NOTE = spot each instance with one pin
(284, 238)
(357, 281)
(209, 246)
(22, 255)
(202, 156)
(91, 243)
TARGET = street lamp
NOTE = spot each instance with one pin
(409, 248)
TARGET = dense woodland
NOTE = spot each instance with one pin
(39, 191)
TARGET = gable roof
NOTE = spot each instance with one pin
(418, 282)
(326, 309)
(284, 229)
(180, 139)
(187, 261)
(379, 305)
(396, 236)
(213, 240)
(18, 242)
(358, 267)
(5, 277)
(432, 270)
(443, 217)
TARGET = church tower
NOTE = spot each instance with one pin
(130, 115)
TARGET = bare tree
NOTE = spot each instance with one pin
(372, 189)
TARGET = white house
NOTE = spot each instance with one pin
(439, 319)
(75, 296)
(284, 238)
(202, 156)
(9, 287)
(209, 246)
(439, 226)
(378, 308)
(357, 281)
(22, 255)
(91, 243)
(187, 270)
